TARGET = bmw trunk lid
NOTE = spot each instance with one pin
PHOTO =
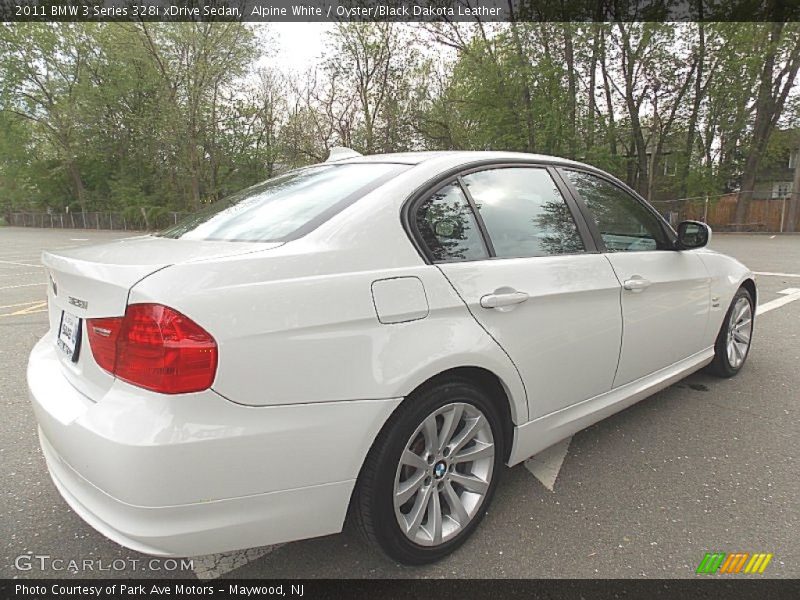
(95, 281)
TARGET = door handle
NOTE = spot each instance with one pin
(503, 299)
(637, 284)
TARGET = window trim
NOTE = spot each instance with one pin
(422, 248)
(408, 211)
(588, 217)
(487, 239)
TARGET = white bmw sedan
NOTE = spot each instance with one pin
(373, 336)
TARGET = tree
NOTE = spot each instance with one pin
(196, 62)
(45, 68)
(780, 51)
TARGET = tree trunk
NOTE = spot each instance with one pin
(688, 149)
(143, 212)
(640, 146)
(569, 55)
(527, 99)
(77, 184)
(612, 133)
(592, 84)
(629, 60)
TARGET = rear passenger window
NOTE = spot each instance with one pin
(524, 213)
(448, 228)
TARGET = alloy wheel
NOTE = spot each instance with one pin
(444, 474)
(740, 329)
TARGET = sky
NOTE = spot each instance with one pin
(300, 45)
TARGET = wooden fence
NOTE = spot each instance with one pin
(763, 214)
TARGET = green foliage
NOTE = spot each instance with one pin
(149, 118)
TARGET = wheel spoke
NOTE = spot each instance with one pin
(409, 487)
(470, 482)
(413, 460)
(744, 305)
(457, 510)
(737, 352)
(741, 337)
(430, 434)
(469, 431)
(731, 354)
(741, 348)
(476, 452)
(451, 421)
(435, 518)
(418, 512)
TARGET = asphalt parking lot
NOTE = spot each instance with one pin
(707, 465)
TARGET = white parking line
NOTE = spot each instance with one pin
(546, 465)
(21, 304)
(13, 287)
(772, 274)
(19, 264)
(17, 274)
(790, 295)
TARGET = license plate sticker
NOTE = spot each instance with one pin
(69, 335)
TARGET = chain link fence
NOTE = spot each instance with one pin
(763, 214)
(114, 221)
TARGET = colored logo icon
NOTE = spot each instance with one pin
(735, 562)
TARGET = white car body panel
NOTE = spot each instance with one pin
(572, 317)
(134, 458)
(666, 322)
(727, 275)
(328, 324)
(101, 276)
(320, 339)
(536, 435)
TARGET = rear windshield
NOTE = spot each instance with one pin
(285, 207)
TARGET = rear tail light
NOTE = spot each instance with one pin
(155, 347)
(103, 335)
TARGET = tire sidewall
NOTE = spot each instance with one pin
(419, 407)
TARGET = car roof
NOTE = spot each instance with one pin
(466, 156)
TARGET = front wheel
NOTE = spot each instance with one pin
(735, 335)
(431, 473)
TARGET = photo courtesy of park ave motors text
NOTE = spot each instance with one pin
(503, 297)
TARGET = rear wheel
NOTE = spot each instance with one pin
(735, 335)
(431, 473)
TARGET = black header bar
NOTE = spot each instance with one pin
(398, 10)
(700, 588)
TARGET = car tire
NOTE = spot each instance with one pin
(735, 336)
(423, 526)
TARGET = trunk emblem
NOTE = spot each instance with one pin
(78, 302)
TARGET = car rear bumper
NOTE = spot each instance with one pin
(197, 474)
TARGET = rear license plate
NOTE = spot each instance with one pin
(69, 335)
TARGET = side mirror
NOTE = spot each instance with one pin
(693, 234)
